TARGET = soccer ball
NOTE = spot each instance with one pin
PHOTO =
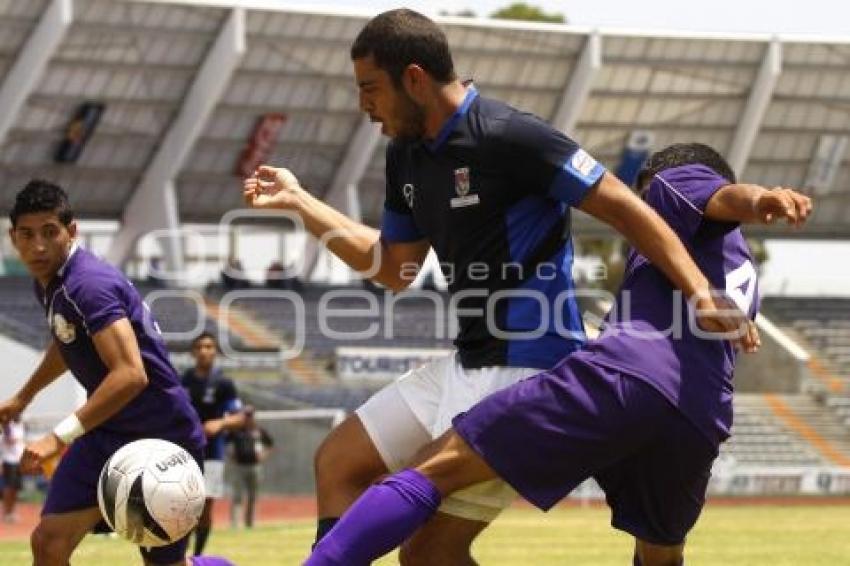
(151, 492)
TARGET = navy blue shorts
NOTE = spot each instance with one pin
(550, 432)
(74, 485)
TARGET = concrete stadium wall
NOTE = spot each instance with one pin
(778, 367)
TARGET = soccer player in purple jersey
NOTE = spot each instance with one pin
(103, 333)
(643, 409)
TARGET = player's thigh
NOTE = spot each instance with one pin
(398, 419)
(66, 529)
(483, 502)
(444, 539)
(347, 454)
(658, 493)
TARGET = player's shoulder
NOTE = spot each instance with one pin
(88, 272)
(499, 123)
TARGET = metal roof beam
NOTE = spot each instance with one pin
(342, 193)
(759, 100)
(579, 86)
(153, 205)
(30, 64)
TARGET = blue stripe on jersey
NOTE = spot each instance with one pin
(449, 126)
(577, 176)
(524, 313)
(398, 227)
(528, 222)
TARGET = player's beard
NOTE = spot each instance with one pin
(410, 118)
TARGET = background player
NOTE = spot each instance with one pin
(11, 450)
(639, 410)
(251, 446)
(103, 333)
(214, 397)
(483, 184)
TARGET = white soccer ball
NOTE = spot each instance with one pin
(151, 492)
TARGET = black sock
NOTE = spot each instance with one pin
(201, 536)
(323, 527)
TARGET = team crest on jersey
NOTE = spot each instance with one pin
(462, 181)
(408, 193)
(64, 330)
(462, 187)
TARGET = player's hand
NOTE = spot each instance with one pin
(38, 452)
(783, 203)
(11, 409)
(271, 187)
(717, 315)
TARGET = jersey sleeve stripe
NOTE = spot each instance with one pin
(398, 227)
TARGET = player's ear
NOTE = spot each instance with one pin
(414, 81)
(72, 229)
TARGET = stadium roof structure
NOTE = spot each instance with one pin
(183, 84)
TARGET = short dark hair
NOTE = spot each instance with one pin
(402, 37)
(680, 154)
(203, 335)
(42, 196)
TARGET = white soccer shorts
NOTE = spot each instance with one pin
(419, 406)
(214, 478)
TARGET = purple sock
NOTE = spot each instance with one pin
(211, 561)
(380, 520)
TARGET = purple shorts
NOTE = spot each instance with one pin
(550, 432)
(74, 485)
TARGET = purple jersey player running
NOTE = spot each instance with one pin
(101, 332)
(638, 410)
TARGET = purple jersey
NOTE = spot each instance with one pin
(694, 374)
(86, 296)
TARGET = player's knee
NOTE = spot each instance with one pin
(49, 546)
(658, 555)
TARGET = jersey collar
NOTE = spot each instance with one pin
(451, 123)
(74, 247)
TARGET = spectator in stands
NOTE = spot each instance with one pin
(233, 275)
(280, 277)
(12, 448)
(275, 275)
(251, 446)
(214, 398)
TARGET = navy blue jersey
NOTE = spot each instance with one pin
(213, 397)
(487, 194)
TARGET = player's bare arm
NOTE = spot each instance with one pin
(230, 422)
(613, 203)
(754, 204)
(354, 243)
(116, 344)
(50, 368)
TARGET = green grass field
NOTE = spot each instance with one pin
(749, 536)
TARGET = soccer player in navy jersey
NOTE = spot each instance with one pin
(489, 188)
(642, 409)
(103, 333)
(214, 397)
